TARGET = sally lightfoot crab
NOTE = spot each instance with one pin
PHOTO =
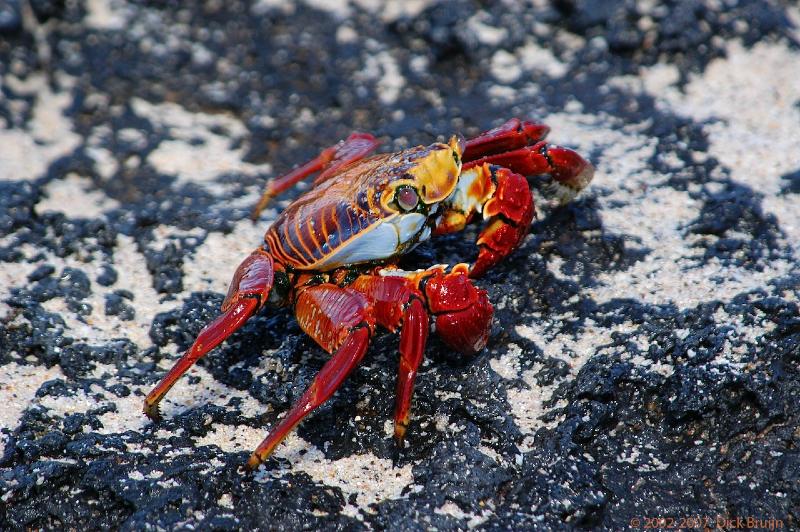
(332, 254)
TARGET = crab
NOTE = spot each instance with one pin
(332, 254)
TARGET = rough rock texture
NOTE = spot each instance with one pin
(645, 357)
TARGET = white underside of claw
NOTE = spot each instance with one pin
(460, 199)
(561, 193)
(381, 242)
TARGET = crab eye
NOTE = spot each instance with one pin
(407, 198)
(456, 158)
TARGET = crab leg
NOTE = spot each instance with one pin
(408, 300)
(570, 172)
(327, 381)
(398, 304)
(512, 135)
(413, 338)
(519, 145)
(355, 147)
(248, 292)
(340, 320)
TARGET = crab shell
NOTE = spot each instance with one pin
(357, 216)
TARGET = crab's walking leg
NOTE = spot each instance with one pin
(327, 381)
(570, 172)
(340, 320)
(398, 304)
(413, 338)
(519, 145)
(506, 202)
(248, 292)
(512, 135)
(330, 160)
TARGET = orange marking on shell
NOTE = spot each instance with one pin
(360, 195)
(311, 231)
(286, 243)
(302, 234)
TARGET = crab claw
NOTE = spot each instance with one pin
(462, 312)
(510, 212)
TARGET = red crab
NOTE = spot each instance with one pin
(332, 253)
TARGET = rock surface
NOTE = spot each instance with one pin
(644, 360)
